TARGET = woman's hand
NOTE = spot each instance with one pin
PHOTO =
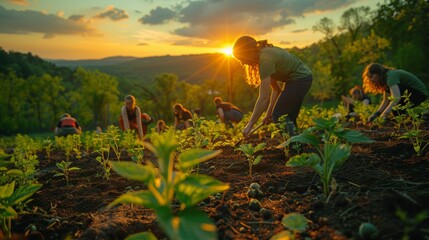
(246, 131)
(267, 120)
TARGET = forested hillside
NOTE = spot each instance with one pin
(36, 92)
(189, 68)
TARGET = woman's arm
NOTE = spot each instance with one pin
(221, 115)
(176, 122)
(396, 94)
(125, 117)
(275, 86)
(139, 122)
(260, 105)
(384, 103)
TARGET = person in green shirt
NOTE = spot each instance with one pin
(269, 67)
(379, 79)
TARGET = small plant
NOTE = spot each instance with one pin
(166, 185)
(103, 149)
(412, 225)
(414, 117)
(250, 153)
(113, 135)
(48, 145)
(280, 130)
(325, 137)
(25, 159)
(10, 197)
(295, 223)
(65, 170)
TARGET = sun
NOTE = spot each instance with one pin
(227, 51)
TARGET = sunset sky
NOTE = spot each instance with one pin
(93, 29)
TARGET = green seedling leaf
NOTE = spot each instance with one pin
(353, 136)
(142, 198)
(192, 157)
(192, 189)
(257, 160)
(304, 137)
(260, 147)
(340, 153)
(7, 190)
(283, 235)
(295, 222)
(304, 160)
(14, 172)
(133, 171)
(23, 193)
(190, 224)
(142, 236)
(325, 123)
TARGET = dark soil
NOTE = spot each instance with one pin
(376, 181)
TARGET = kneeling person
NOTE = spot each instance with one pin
(228, 112)
(67, 126)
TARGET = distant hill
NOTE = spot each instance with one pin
(91, 62)
(190, 68)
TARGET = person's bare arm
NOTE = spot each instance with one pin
(384, 103)
(139, 122)
(396, 94)
(276, 90)
(221, 114)
(176, 122)
(125, 117)
(260, 105)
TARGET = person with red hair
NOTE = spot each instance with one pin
(379, 79)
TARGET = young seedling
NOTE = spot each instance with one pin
(166, 185)
(48, 145)
(250, 153)
(414, 117)
(65, 170)
(112, 135)
(295, 223)
(333, 144)
(10, 197)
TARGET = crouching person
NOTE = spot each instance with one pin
(67, 126)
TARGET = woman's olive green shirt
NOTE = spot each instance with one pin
(281, 65)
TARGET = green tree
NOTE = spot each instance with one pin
(355, 21)
(167, 86)
(100, 91)
(11, 102)
(405, 24)
(41, 93)
(324, 88)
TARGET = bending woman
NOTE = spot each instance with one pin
(379, 79)
(266, 66)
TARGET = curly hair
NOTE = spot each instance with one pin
(217, 100)
(246, 49)
(358, 91)
(370, 86)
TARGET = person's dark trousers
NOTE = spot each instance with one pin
(290, 102)
(232, 116)
(416, 98)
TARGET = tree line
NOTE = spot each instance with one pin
(35, 93)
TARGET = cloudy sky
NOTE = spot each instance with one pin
(92, 29)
